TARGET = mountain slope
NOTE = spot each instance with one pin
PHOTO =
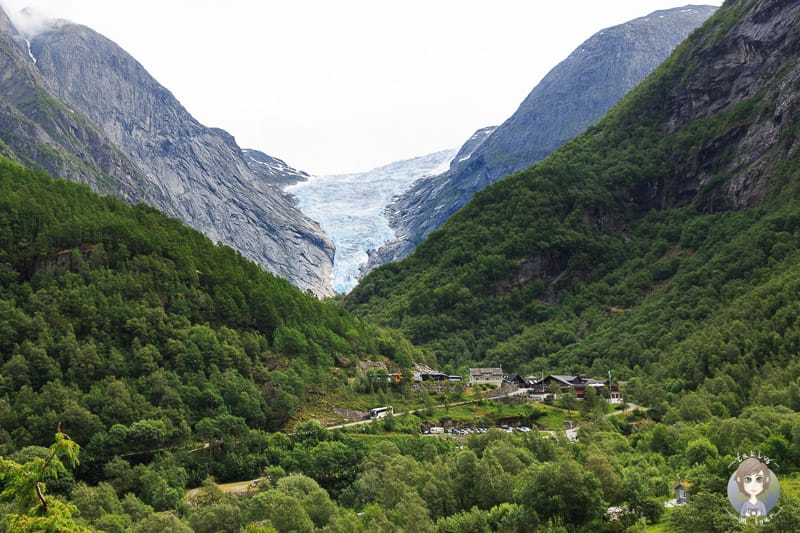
(190, 171)
(272, 169)
(573, 95)
(113, 315)
(660, 243)
(38, 130)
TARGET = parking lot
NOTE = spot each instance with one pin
(438, 430)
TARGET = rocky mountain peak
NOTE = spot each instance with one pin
(6, 26)
(273, 170)
(139, 142)
(572, 96)
(40, 131)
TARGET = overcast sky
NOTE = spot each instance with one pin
(334, 86)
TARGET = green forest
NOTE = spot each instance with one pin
(565, 268)
(145, 370)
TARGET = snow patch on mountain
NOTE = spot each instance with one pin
(350, 208)
(272, 169)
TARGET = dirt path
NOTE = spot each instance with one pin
(239, 487)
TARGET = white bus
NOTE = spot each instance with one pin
(376, 413)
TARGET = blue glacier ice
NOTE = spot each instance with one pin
(350, 208)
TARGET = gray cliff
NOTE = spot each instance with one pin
(751, 67)
(273, 170)
(571, 97)
(38, 130)
(139, 143)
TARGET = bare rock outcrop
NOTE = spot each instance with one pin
(571, 97)
(76, 104)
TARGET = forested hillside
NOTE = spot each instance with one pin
(661, 244)
(136, 333)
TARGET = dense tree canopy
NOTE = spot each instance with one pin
(139, 337)
(174, 364)
(571, 266)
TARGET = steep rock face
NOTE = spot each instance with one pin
(273, 170)
(743, 66)
(417, 204)
(714, 129)
(197, 174)
(472, 144)
(38, 130)
(6, 26)
(572, 96)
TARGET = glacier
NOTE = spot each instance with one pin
(350, 208)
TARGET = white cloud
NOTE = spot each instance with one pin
(29, 21)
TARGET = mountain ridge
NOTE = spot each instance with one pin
(659, 248)
(168, 159)
(574, 94)
(38, 130)
(635, 242)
